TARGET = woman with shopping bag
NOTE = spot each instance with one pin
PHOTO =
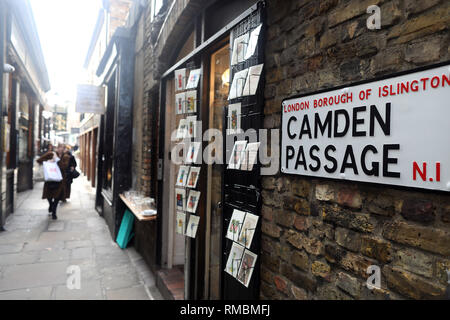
(55, 168)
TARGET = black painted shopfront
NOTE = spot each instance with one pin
(222, 190)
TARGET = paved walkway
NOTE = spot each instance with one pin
(36, 251)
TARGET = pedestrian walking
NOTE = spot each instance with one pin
(56, 191)
(71, 172)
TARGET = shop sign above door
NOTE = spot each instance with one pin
(90, 99)
(394, 131)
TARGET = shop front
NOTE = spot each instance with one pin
(208, 194)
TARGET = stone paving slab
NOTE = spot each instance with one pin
(55, 226)
(73, 244)
(19, 258)
(134, 293)
(40, 293)
(90, 290)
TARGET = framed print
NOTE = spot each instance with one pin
(235, 225)
(246, 268)
(191, 101)
(192, 202)
(182, 178)
(194, 173)
(194, 77)
(234, 118)
(248, 230)
(250, 156)
(191, 229)
(180, 199)
(236, 154)
(179, 103)
(191, 126)
(193, 151)
(238, 84)
(234, 259)
(181, 222)
(252, 42)
(252, 81)
(182, 129)
(180, 79)
(239, 48)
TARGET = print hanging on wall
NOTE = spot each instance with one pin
(191, 101)
(193, 151)
(180, 199)
(191, 126)
(183, 173)
(234, 259)
(235, 225)
(239, 48)
(192, 202)
(238, 84)
(252, 81)
(246, 268)
(234, 118)
(248, 230)
(250, 156)
(236, 154)
(253, 42)
(182, 129)
(191, 229)
(181, 222)
(179, 103)
(180, 79)
(194, 77)
(194, 173)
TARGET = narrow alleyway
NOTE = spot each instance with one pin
(36, 251)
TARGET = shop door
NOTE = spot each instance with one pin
(218, 94)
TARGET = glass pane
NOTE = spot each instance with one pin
(220, 64)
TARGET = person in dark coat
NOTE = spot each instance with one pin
(56, 191)
(70, 170)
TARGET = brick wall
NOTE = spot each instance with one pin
(320, 235)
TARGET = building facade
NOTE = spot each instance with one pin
(23, 100)
(307, 236)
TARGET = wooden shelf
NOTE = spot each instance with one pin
(133, 210)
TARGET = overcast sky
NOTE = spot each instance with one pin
(65, 29)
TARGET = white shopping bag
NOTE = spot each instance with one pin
(52, 171)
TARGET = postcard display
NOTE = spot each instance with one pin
(186, 195)
(242, 187)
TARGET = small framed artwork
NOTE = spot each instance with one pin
(192, 202)
(234, 118)
(182, 178)
(180, 79)
(250, 156)
(191, 229)
(238, 84)
(181, 222)
(248, 230)
(191, 123)
(192, 152)
(180, 199)
(182, 129)
(191, 101)
(246, 268)
(234, 259)
(235, 225)
(252, 81)
(236, 154)
(239, 48)
(179, 103)
(194, 77)
(194, 173)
